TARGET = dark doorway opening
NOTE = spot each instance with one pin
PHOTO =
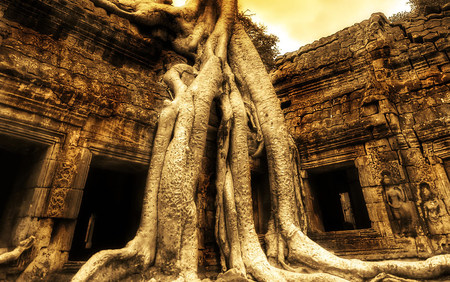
(339, 198)
(110, 210)
(261, 201)
(447, 167)
(18, 160)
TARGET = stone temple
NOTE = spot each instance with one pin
(80, 92)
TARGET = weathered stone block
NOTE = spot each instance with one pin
(432, 23)
(384, 228)
(63, 231)
(42, 174)
(372, 211)
(35, 202)
(379, 145)
(373, 195)
(366, 177)
(64, 203)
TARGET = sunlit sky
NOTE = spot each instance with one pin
(300, 22)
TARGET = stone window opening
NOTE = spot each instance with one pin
(370, 108)
(19, 161)
(286, 104)
(338, 198)
(110, 210)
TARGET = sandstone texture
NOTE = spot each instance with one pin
(80, 94)
(81, 90)
(374, 99)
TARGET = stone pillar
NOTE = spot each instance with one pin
(67, 188)
(314, 222)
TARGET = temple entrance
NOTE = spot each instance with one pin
(339, 197)
(18, 161)
(261, 201)
(110, 209)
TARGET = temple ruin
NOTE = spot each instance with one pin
(368, 108)
(80, 92)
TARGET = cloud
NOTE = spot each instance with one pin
(299, 22)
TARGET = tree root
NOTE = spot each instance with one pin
(15, 254)
(227, 68)
(300, 247)
(109, 263)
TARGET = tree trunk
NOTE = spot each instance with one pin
(228, 69)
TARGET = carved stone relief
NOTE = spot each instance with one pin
(436, 216)
(434, 210)
(66, 193)
(401, 209)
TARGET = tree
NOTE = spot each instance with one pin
(423, 7)
(400, 16)
(265, 43)
(227, 68)
(419, 7)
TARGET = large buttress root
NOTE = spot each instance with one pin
(301, 248)
(171, 245)
(143, 246)
(237, 238)
(170, 189)
(227, 68)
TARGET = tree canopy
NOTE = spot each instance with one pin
(265, 43)
(419, 7)
(426, 6)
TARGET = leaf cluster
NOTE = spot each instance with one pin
(419, 7)
(265, 43)
(423, 7)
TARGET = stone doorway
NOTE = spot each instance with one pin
(339, 198)
(20, 160)
(110, 210)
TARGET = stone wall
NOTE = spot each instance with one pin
(81, 91)
(375, 97)
(79, 88)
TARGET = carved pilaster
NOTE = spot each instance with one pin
(66, 194)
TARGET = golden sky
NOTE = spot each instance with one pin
(299, 22)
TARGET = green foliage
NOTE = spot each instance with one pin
(423, 7)
(265, 43)
(400, 16)
(420, 7)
